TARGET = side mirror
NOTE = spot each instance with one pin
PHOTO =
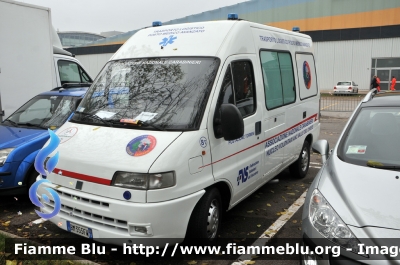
(77, 103)
(322, 147)
(231, 122)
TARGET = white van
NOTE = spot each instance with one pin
(183, 123)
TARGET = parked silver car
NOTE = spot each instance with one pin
(354, 200)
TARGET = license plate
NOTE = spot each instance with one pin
(79, 230)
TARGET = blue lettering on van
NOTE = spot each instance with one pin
(284, 41)
(247, 173)
(281, 137)
(167, 41)
(241, 138)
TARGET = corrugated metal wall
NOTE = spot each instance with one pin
(336, 60)
(351, 60)
(93, 63)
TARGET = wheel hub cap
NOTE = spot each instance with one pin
(212, 220)
(304, 160)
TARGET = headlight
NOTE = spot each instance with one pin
(328, 223)
(4, 154)
(143, 181)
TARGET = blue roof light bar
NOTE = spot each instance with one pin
(296, 29)
(157, 23)
(233, 16)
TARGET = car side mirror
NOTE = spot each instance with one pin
(231, 122)
(322, 147)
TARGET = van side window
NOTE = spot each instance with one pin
(243, 84)
(241, 94)
(71, 72)
(278, 78)
(225, 96)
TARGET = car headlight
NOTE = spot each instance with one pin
(4, 154)
(328, 223)
(143, 181)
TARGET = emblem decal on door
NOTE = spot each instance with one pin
(203, 142)
(307, 75)
(247, 173)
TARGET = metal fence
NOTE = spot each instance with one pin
(340, 102)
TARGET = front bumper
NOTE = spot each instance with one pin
(8, 183)
(114, 221)
(343, 91)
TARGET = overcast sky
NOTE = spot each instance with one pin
(121, 15)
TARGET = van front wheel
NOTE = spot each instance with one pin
(300, 168)
(205, 221)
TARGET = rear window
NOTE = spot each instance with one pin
(344, 83)
(373, 137)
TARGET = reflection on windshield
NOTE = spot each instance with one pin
(168, 92)
(44, 112)
(373, 137)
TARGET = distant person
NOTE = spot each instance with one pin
(374, 84)
(378, 81)
(393, 83)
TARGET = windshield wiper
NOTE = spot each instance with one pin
(150, 125)
(31, 125)
(376, 164)
(143, 123)
(94, 116)
(12, 122)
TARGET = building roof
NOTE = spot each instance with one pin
(309, 15)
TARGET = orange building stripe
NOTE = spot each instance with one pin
(375, 18)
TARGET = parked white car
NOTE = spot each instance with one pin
(346, 87)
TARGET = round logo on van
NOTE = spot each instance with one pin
(67, 134)
(141, 145)
(307, 74)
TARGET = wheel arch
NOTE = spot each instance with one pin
(26, 167)
(309, 139)
(225, 191)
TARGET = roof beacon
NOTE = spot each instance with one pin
(157, 23)
(233, 16)
(296, 29)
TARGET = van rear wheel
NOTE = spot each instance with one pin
(205, 221)
(299, 168)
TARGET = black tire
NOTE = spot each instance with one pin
(205, 221)
(30, 179)
(299, 168)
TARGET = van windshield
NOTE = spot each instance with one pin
(169, 93)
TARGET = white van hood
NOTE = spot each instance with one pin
(95, 153)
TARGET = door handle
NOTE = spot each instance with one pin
(258, 128)
(304, 114)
